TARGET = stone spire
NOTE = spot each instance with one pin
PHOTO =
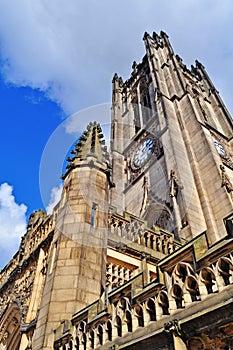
(90, 143)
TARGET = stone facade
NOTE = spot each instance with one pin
(138, 252)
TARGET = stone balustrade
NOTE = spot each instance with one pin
(135, 230)
(181, 288)
(117, 275)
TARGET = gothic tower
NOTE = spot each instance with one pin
(76, 268)
(138, 252)
(172, 144)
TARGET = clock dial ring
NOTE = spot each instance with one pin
(219, 147)
(143, 152)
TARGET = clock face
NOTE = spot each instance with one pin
(219, 147)
(143, 152)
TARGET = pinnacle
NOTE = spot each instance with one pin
(90, 143)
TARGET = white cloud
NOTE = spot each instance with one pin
(71, 49)
(55, 196)
(12, 220)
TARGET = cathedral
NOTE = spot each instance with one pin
(137, 254)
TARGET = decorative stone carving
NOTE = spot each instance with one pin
(121, 247)
(44, 265)
(173, 184)
(134, 67)
(164, 220)
(226, 181)
(174, 327)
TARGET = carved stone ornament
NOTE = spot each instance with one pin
(20, 293)
(173, 327)
(228, 162)
(173, 184)
(164, 219)
(121, 247)
(226, 181)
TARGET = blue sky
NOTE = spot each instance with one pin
(58, 57)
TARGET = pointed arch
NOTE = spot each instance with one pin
(82, 326)
(100, 333)
(181, 271)
(128, 320)
(139, 315)
(10, 335)
(159, 214)
(192, 287)
(163, 302)
(124, 304)
(109, 330)
(119, 326)
(150, 307)
(92, 338)
(225, 266)
(208, 278)
(77, 343)
(177, 294)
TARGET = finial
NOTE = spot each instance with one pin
(146, 35)
(199, 64)
(163, 34)
(115, 77)
(120, 81)
(155, 36)
(134, 67)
